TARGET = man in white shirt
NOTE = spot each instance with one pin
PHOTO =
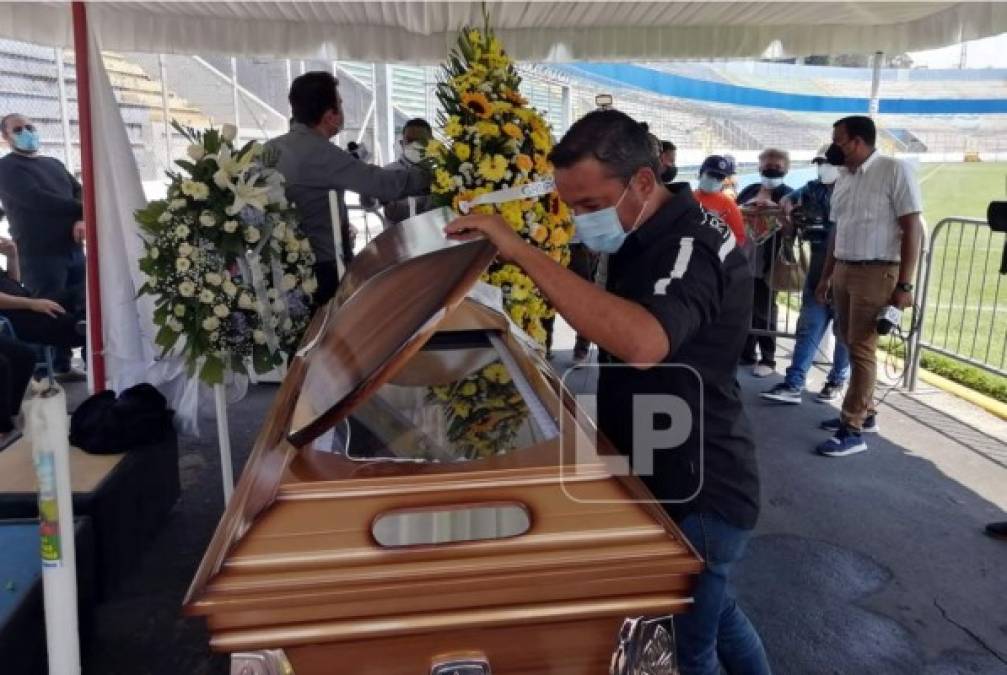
(876, 206)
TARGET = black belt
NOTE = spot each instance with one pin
(864, 263)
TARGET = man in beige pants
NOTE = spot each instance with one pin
(876, 206)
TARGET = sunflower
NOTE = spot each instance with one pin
(478, 104)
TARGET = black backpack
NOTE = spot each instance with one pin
(105, 424)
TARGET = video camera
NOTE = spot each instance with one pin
(811, 223)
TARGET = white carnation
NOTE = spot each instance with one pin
(245, 301)
(289, 281)
(310, 285)
(230, 226)
(259, 337)
(185, 249)
(207, 219)
(177, 204)
(195, 189)
(252, 234)
(230, 289)
(187, 289)
(175, 325)
(213, 278)
(228, 132)
(220, 310)
(196, 152)
(179, 310)
(211, 323)
(183, 264)
(182, 231)
(206, 296)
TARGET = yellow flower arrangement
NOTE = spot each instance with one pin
(488, 124)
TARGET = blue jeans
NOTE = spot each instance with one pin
(715, 632)
(812, 323)
(56, 277)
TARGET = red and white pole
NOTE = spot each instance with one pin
(96, 362)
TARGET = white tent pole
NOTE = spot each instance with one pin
(224, 441)
(165, 110)
(64, 112)
(234, 93)
(47, 425)
(876, 85)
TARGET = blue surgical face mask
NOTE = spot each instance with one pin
(26, 141)
(602, 230)
(771, 183)
(708, 183)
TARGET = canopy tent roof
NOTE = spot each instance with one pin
(420, 32)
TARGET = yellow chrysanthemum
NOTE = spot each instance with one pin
(442, 180)
(512, 213)
(502, 107)
(518, 293)
(493, 167)
(559, 237)
(454, 127)
(496, 373)
(461, 408)
(537, 332)
(542, 164)
(435, 149)
(487, 129)
(463, 151)
(469, 389)
(513, 131)
(541, 140)
(524, 163)
(538, 233)
(478, 104)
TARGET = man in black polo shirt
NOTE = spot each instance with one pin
(675, 316)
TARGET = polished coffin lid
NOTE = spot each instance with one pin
(295, 560)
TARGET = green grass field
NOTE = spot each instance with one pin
(967, 303)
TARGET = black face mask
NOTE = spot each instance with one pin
(669, 173)
(835, 155)
(773, 172)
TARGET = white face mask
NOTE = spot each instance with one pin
(771, 183)
(708, 183)
(827, 173)
(412, 152)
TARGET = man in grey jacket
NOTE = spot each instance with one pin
(313, 166)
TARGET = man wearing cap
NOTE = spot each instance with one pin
(807, 211)
(710, 194)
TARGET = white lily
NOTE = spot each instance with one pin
(229, 162)
(247, 194)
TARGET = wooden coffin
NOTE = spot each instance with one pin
(392, 518)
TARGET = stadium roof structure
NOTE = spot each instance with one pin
(420, 32)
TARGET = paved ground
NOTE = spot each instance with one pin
(871, 564)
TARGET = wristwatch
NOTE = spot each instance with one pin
(904, 286)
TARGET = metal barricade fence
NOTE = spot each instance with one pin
(774, 310)
(960, 288)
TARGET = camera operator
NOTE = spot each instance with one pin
(807, 210)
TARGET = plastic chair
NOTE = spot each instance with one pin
(47, 350)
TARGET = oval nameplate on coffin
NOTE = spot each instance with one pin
(450, 525)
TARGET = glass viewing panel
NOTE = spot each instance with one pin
(456, 400)
(426, 527)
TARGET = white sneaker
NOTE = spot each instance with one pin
(762, 370)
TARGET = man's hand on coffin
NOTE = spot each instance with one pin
(494, 228)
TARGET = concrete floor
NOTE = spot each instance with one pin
(874, 563)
